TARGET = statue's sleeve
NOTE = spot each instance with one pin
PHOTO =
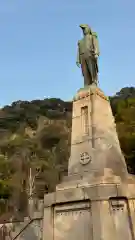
(96, 45)
(78, 55)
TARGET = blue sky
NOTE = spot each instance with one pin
(38, 44)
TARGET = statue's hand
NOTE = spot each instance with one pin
(78, 64)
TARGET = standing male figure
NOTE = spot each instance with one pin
(88, 52)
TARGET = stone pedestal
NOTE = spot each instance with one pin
(95, 147)
(98, 211)
(97, 199)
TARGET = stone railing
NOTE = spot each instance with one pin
(28, 229)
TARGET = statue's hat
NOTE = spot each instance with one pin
(84, 26)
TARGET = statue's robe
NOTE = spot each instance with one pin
(87, 49)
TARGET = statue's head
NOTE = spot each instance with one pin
(86, 29)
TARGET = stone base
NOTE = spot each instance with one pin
(91, 211)
(97, 199)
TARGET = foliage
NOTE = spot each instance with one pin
(26, 145)
(125, 119)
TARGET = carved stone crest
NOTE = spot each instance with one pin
(85, 158)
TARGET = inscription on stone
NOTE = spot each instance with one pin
(74, 222)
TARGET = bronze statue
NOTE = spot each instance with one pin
(87, 57)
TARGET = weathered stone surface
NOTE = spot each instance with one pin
(108, 216)
(48, 223)
(49, 199)
(100, 192)
(100, 141)
(131, 204)
(72, 221)
(69, 195)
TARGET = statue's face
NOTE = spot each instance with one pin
(86, 31)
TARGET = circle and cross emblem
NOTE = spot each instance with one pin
(85, 158)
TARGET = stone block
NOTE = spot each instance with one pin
(72, 221)
(69, 195)
(66, 185)
(131, 204)
(106, 191)
(100, 192)
(48, 223)
(126, 190)
(91, 192)
(49, 199)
